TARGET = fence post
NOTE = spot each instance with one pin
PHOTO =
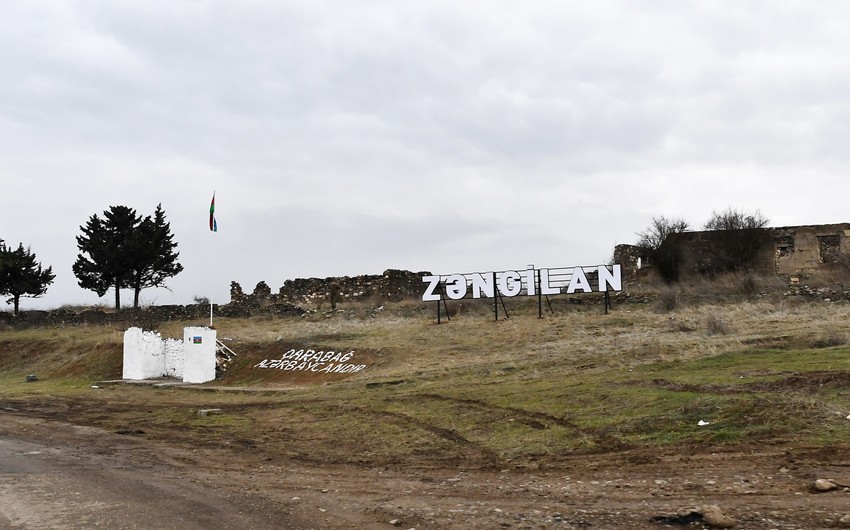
(495, 298)
(539, 294)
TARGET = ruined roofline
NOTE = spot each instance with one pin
(828, 226)
(784, 250)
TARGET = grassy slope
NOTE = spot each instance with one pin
(479, 392)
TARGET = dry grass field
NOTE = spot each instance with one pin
(622, 397)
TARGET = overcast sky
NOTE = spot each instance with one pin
(346, 138)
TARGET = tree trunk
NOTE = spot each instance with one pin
(17, 300)
(117, 297)
(137, 290)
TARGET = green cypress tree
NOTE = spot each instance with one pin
(107, 247)
(21, 276)
(125, 251)
(155, 258)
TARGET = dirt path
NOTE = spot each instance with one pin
(56, 475)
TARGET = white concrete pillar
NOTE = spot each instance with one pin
(198, 354)
(144, 357)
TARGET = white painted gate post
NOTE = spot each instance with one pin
(198, 354)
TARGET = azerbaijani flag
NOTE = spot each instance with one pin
(213, 224)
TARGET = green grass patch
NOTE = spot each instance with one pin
(470, 392)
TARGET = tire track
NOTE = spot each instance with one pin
(486, 455)
(533, 419)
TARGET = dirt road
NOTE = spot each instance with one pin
(57, 475)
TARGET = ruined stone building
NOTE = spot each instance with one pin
(787, 251)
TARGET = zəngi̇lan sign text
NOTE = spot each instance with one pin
(566, 280)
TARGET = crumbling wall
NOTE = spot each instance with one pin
(711, 252)
(173, 349)
(631, 259)
(392, 285)
(800, 249)
(786, 251)
(260, 301)
(147, 318)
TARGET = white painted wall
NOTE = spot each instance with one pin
(198, 354)
(173, 357)
(144, 356)
(147, 355)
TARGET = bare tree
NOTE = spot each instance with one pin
(656, 233)
(664, 251)
(739, 241)
(732, 219)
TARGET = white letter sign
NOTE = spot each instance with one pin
(456, 286)
(510, 283)
(433, 282)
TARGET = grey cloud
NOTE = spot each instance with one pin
(437, 135)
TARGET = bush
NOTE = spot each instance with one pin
(740, 239)
(736, 220)
(668, 298)
(715, 325)
(749, 285)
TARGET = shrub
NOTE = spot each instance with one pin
(740, 239)
(668, 298)
(715, 325)
(749, 285)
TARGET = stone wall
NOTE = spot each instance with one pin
(787, 251)
(392, 285)
(260, 301)
(712, 252)
(631, 259)
(800, 249)
(147, 318)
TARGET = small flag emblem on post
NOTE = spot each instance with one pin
(213, 223)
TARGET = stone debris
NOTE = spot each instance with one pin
(715, 518)
(130, 432)
(680, 519)
(223, 356)
(32, 378)
(822, 485)
(208, 412)
(710, 514)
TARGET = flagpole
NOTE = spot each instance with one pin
(212, 289)
(213, 229)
